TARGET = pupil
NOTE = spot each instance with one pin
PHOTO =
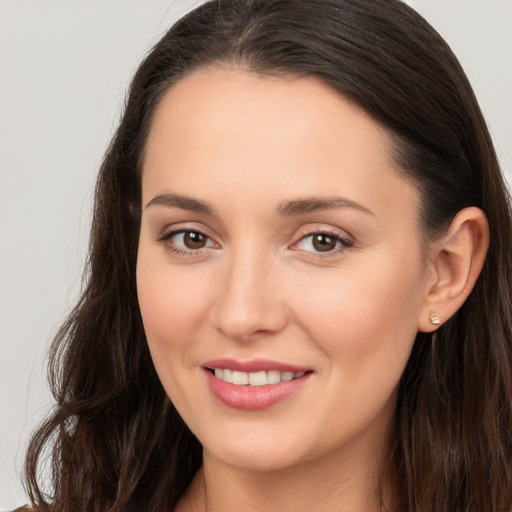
(324, 243)
(194, 240)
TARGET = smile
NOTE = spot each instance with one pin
(254, 385)
(260, 378)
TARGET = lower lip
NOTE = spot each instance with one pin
(253, 397)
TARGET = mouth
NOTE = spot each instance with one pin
(259, 378)
(254, 385)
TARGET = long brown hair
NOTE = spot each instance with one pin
(114, 440)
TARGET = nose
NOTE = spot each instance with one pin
(249, 302)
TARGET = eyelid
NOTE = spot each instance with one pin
(166, 236)
(347, 241)
(319, 227)
(167, 230)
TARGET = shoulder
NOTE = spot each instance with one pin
(23, 509)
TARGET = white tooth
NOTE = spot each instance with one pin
(218, 373)
(298, 375)
(273, 377)
(240, 378)
(257, 378)
(227, 375)
(287, 376)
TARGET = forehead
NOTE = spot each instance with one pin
(274, 135)
(231, 100)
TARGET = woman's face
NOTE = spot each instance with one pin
(277, 242)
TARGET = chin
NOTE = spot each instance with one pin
(263, 450)
(256, 459)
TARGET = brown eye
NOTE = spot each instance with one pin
(194, 240)
(323, 242)
(187, 242)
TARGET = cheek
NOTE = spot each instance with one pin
(366, 314)
(173, 309)
(173, 304)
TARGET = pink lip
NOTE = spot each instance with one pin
(253, 397)
(257, 365)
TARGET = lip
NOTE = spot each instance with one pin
(255, 365)
(252, 398)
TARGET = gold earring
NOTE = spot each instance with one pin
(434, 320)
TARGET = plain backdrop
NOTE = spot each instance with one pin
(64, 68)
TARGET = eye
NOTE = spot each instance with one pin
(192, 239)
(184, 241)
(323, 242)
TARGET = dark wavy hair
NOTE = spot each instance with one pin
(115, 442)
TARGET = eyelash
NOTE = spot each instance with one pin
(165, 239)
(344, 242)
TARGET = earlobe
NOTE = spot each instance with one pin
(456, 262)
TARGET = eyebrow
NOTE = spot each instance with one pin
(286, 209)
(183, 202)
(316, 204)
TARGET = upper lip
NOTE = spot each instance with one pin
(255, 365)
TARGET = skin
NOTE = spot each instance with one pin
(246, 144)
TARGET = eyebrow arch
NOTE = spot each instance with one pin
(290, 208)
(183, 202)
(316, 204)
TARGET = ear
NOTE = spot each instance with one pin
(456, 260)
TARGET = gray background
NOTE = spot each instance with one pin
(64, 67)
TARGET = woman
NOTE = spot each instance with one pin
(299, 283)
